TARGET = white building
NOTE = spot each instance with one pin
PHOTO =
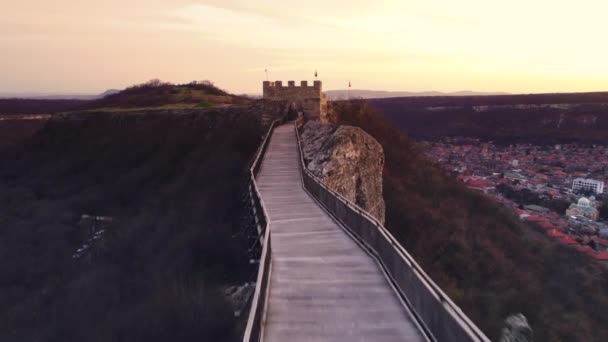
(583, 184)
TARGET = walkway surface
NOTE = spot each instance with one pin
(323, 286)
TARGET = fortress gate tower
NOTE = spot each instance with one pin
(291, 99)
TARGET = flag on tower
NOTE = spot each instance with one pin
(316, 74)
(349, 84)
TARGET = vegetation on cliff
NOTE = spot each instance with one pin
(14, 129)
(20, 117)
(486, 260)
(172, 188)
(541, 119)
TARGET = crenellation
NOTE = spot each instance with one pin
(292, 84)
(306, 99)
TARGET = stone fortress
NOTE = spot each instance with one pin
(292, 100)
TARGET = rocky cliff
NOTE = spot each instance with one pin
(349, 161)
(516, 329)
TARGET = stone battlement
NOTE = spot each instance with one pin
(292, 84)
(292, 98)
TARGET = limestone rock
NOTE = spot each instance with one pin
(349, 161)
(516, 329)
(239, 296)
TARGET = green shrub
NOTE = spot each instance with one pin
(203, 105)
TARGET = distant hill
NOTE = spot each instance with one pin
(109, 92)
(381, 94)
(537, 118)
(23, 106)
(49, 96)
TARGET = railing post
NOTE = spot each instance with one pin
(257, 311)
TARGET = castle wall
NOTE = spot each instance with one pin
(309, 100)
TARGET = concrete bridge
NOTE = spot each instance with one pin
(328, 270)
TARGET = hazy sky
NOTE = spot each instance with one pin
(88, 46)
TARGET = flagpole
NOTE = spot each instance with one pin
(348, 92)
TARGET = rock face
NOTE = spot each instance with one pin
(516, 329)
(347, 160)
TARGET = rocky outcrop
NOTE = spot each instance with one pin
(349, 161)
(516, 329)
(239, 296)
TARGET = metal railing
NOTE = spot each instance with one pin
(442, 319)
(257, 312)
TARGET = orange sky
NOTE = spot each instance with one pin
(517, 46)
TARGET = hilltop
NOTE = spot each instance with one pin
(380, 94)
(148, 95)
(20, 118)
(156, 93)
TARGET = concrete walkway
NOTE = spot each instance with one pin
(323, 286)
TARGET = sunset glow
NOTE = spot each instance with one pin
(517, 46)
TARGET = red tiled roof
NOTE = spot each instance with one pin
(582, 248)
(556, 233)
(600, 256)
(600, 241)
(520, 211)
(534, 218)
(568, 240)
(590, 252)
(478, 183)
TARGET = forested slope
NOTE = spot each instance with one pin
(153, 268)
(486, 260)
(540, 119)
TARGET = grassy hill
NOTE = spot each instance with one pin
(171, 185)
(159, 94)
(149, 95)
(18, 116)
(485, 259)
